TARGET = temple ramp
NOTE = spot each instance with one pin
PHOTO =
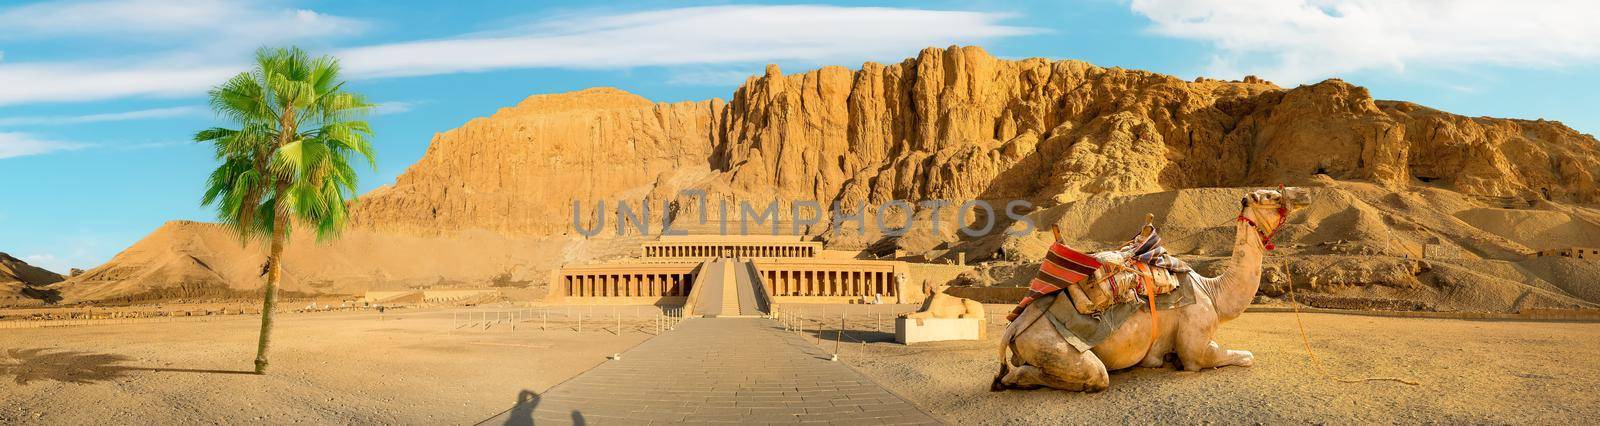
(728, 288)
(753, 300)
(707, 298)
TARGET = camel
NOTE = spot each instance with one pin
(1045, 359)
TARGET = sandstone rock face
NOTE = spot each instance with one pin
(518, 171)
(958, 124)
(1096, 148)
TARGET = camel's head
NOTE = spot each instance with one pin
(1270, 208)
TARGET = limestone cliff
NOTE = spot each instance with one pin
(490, 202)
(958, 123)
(518, 172)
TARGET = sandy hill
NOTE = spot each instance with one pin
(202, 260)
(14, 270)
(24, 284)
(494, 197)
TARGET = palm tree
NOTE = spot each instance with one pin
(287, 161)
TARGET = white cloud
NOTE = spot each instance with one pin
(14, 144)
(39, 259)
(393, 107)
(98, 80)
(81, 249)
(711, 77)
(669, 37)
(208, 20)
(684, 36)
(1297, 41)
(143, 114)
(206, 40)
(152, 145)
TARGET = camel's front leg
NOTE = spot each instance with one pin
(1198, 356)
(1198, 351)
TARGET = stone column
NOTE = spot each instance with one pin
(856, 288)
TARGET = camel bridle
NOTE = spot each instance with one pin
(1266, 235)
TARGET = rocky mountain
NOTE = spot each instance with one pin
(960, 124)
(494, 198)
(518, 171)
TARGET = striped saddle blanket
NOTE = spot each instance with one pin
(1097, 282)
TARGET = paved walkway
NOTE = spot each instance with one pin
(735, 370)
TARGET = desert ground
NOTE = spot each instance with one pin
(427, 367)
(1469, 372)
(327, 368)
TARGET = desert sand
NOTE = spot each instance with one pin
(410, 367)
(1469, 372)
(327, 368)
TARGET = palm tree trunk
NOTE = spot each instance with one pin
(269, 300)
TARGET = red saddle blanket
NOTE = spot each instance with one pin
(1096, 282)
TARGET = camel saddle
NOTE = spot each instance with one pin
(1084, 331)
(1095, 283)
(1141, 267)
(1120, 280)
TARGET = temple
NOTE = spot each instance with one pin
(711, 274)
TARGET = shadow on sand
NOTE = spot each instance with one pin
(522, 413)
(28, 365)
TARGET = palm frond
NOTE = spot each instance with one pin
(287, 155)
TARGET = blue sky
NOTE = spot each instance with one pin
(98, 99)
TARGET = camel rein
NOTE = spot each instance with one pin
(1266, 243)
(1305, 338)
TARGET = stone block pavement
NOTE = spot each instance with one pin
(722, 370)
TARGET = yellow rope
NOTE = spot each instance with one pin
(1306, 340)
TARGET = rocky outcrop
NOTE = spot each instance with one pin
(519, 171)
(959, 124)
